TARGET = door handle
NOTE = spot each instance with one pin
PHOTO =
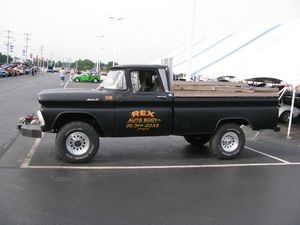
(161, 97)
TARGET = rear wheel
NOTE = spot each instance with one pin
(77, 142)
(285, 116)
(228, 141)
(197, 140)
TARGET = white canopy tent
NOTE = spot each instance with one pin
(274, 54)
(267, 50)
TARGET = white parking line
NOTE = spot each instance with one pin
(265, 154)
(67, 83)
(30, 154)
(162, 167)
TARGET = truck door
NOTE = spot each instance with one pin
(145, 110)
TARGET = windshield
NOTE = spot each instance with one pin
(115, 79)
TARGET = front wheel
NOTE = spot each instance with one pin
(228, 141)
(77, 142)
(95, 80)
(76, 79)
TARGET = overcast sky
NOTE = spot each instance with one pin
(150, 28)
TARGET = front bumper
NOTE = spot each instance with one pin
(30, 126)
(28, 130)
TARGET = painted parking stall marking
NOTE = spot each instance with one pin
(28, 158)
(162, 167)
(265, 154)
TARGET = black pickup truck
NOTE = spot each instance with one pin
(137, 100)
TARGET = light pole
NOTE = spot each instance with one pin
(192, 31)
(115, 19)
(99, 63)
(98, 60)
(26, 46)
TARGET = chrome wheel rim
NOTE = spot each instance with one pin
(229, 141)
(77, 143)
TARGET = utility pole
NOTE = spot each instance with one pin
(26, 46)
(51, 58)
(41, 57)
(8, 44)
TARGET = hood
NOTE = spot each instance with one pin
(69, 97)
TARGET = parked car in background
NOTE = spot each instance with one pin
(50, 69)
(87, 76)
(181, 76)
(103, 76)
(284, 112)
(18, 70)
(287, 98)
(11, 70)
(285, 106)
(3, 73)
(27, 70)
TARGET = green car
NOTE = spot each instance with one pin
(87, 76)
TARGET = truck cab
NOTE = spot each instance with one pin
(144, 102)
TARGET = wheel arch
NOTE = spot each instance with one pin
(238, 121)
(64, 118)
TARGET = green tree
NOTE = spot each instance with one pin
(85, 64)
(3, 58)
(59, 64)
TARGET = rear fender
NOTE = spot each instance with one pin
(238, 121)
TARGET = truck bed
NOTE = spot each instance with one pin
(219, 89)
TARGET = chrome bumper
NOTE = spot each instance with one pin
(31, 126)
(30, 130)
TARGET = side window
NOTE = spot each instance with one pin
(145, 81)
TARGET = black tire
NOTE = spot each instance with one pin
(95, 80)
(228, 141)
(76, 79)
(285, 117)
(197, 140)
(77, 142)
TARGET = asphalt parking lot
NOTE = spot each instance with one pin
(152, 180)
(159, 153)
